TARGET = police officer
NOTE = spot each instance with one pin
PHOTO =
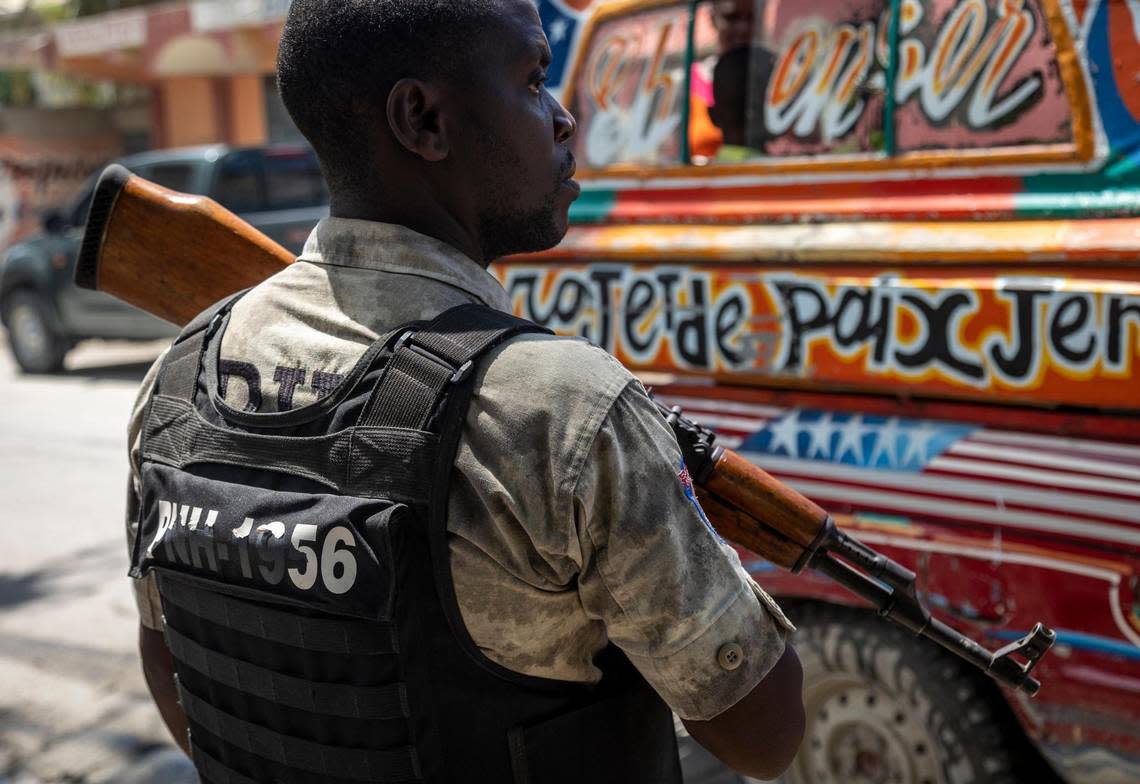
(329, 605)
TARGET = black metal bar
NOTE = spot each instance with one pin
(903, 607)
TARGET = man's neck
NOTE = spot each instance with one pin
(423, 216)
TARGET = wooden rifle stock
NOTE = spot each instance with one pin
(792, 527)
(168, 253)
(174, 255)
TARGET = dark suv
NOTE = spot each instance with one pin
(278, 189)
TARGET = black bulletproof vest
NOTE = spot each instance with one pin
(302, 561)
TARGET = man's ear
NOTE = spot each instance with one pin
(414, 117)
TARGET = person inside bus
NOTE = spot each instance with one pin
(738, 72)
(732, 21)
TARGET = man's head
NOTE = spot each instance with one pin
(433, 113)
(733, 22)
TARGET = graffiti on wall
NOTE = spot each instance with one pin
(39, 175)
(1004, 336)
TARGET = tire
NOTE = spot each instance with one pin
(36, 345)
(884, 706)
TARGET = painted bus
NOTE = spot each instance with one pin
(890, 251)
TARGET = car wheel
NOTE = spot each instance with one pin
(885, 707)
(35, 344)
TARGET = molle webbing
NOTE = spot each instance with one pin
(389, 765)
(363, 462)
(334, 699)
(327, 635)
(213, 772)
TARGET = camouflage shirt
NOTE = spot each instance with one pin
(571, 519)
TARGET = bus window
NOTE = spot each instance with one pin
(628, 99)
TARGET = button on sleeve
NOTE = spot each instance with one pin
(671, 593)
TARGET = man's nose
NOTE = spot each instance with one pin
(565, 126)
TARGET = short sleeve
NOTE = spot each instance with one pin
(146, 589)
(672, 594)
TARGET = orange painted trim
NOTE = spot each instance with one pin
(1080, 102)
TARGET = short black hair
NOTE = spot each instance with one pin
(339, 59)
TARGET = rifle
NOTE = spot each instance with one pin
(173, 255)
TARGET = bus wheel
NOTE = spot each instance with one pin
(884, 707)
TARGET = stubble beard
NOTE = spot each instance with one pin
(503, 232)
(507, 225)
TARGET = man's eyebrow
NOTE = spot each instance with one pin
(542, 49)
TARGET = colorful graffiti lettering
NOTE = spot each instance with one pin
(630, 91)
(1004, 335)
(966, 60)
(1047, 326)
(39, 175)
(677, 314)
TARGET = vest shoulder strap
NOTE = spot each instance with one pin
(428, 360)
(178, 375)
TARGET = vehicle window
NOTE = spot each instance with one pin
(238, 186)
(176, 176)
(807, 79)
(978, 75)
(813, 81)
(628, 96)
(817, 79)
(293, 179)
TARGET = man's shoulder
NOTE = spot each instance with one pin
(556, 365)
(552, 393)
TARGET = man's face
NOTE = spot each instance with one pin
(733, 22)
(514, 146)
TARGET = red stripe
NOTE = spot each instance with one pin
(942, 495)
(1048, 449)
(999, 459)
(1117, 428)
(951, 473)
(885, 199)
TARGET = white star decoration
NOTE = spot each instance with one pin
(785, 435)
(918, 443)
(851, 439)
(886, 444)
(558, 30)
(913, 439)
(820, 433)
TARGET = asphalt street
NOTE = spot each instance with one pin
(73, 705)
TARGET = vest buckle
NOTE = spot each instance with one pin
(463, 373)
(459, 374)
